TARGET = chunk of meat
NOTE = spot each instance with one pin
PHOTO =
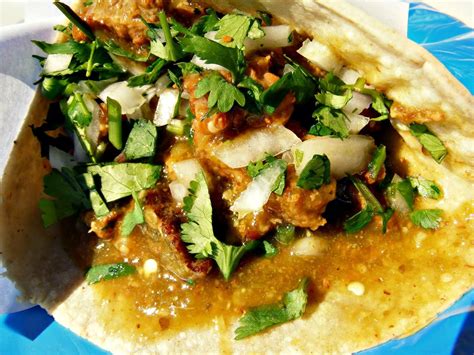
(163, 227)
(122, 18)
(297, 206)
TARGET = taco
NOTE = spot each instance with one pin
(239, 176)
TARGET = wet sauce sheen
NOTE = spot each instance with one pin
(147, 307)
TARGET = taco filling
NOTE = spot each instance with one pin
(224, 166)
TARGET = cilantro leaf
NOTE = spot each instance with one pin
(425, 188)
(270, 249)
(106, 272)
(121, 180)
(253, 93)
(379, 103)
(214, 53)
(151, 75)
(428, 219)
(236, 28)
(297, 81)
(315, 174)
(171, 51)
(133, 218)
(205, 23)
(141, 142)
(255, 169)
(330, 122)
(78, 111)
(198, 232)
(98, 204)
(358, 221)
(429, 141)
(222, 94)
(260, 318)
(405, 189)
(114, 48)
(373, 207)
(333, 93)
(81, 51)
(68, 196)
(377, 161)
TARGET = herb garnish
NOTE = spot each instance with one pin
(235, 28)
(198, 232)
(133, 218)
(255, 169)
(377, 161)
(429, 141)
(106, 272)
(428, 219)
(316, 173)
(260, 318)
(141, 142)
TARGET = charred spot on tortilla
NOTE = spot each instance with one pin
(206, 162)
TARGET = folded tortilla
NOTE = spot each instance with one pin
(410, 283)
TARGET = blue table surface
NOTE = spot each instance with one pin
(33, 331)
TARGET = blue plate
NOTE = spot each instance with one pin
(33, 331)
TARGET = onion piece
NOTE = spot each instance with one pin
(93, 129)
(347, 156)
(56, 62)
(356, 122)
(320, 54)
(186, 171)
(395, 198)
(275, 37)
(161, 84)
(358, 103)
(348, 76)
(308, 246)
(255, 145)
(202, 63)
(166, 108)
(129, 98)
(59, 159)
(257, 193)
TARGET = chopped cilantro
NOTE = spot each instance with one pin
(114, 48)
(133, 218)
(141, 142)
(98, 204)
(68, 196)
(428, 219)
(105, 272)
(429, 141)
(298, 81)
(373, 208)
(121, 180)
(425, 188)
(270, 249)
(78, 112)
(222, 94)
(285, 233)
(405, 189)
(255, 169)
(260, 318)
(377, 161)
(205, 23)
(151, 75)
(235, 28)
(358, 221)
(171, 51)
(214, 53)
(315, 174)
(198, 232)
(329, 122)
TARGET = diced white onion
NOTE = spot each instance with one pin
(358, 103)
(129, 98)
(347, 156)
(308, 246)
(80, 155)
(395, 199)
(255, 145)
(166, 107)
(186, 171)
(161, 84)
(56, 62)
(321, 55)
(178, 191)
(275, 37)
(348, 76)
(356, 122)
(93, 130)
(209, 66)
(257, 193)
(60, 159)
